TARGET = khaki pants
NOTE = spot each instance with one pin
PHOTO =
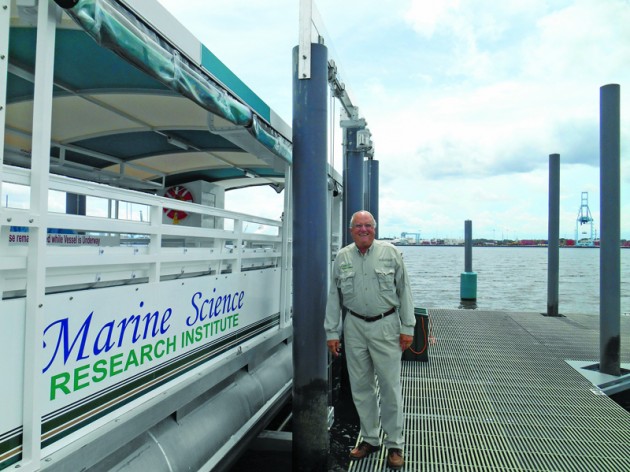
(374, 348)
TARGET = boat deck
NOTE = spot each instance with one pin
(498, 393)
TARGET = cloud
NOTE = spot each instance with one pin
(465, 99)
(579, 141)
(426, 17)
(580, 40)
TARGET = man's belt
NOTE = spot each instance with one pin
(369, 319)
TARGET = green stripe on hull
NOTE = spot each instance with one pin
(61, 423)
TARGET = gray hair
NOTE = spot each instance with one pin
(362, 211)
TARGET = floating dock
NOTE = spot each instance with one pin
(507, 391)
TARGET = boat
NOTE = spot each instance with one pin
(142, 324)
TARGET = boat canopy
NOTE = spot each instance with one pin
(132, 109)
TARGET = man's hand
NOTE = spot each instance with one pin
(334, 346)
(405, 341)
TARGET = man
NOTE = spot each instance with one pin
(369, 279)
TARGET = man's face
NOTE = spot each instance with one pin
(362, 231)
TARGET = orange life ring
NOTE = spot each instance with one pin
(178, 193)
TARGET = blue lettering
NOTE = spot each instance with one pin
(107, 342)
(211, 303)
(226, 302)
(214, 307)
(130, 330)
(135, 320)
(201, 315)
(63, 340)
(151, 319)
(217, 307)
(164, 327)
(190, 320)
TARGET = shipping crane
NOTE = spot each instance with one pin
(404, 235)
(583, 237)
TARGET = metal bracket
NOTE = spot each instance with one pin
(304, 45)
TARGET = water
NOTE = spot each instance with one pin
(511, 278)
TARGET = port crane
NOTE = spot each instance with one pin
(582, 237)
(404, 235)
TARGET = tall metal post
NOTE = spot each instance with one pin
(553, 236)
(468, 246)
(311, 258)
(352, 173)
(371, 200)
(468, 280)
(609, 254)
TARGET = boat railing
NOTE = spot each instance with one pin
(124, 238)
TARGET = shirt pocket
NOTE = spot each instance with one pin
(385, 278)
(346, 283)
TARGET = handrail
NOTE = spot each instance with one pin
(98, 250)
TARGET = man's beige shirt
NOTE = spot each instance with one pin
(369, 284)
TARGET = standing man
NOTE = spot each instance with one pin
(369, 279)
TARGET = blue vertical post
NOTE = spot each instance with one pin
(468, 281)
(553, 236)
(371, 203)
(609, 253)
(311, 257)
(468, 246)
(352, 175)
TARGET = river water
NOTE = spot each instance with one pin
(508, 279)
(511, 278)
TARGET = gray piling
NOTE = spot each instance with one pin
(311, 258)
(609, 254)
(468, 246)
(352, 175)
(468, 281)
(371, 203)
(553, 236)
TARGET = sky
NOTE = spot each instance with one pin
(465, 100)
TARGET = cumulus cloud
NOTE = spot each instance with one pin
(465, 99)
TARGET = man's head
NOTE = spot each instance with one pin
(362, 227)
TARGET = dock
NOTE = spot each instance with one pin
(501, 391)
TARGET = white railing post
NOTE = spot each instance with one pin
(155, 243)
(286, 250)
(5, 23)
(5, 26)
(238, 244)
(36, 259)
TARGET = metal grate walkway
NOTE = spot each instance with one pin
(498, 394)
